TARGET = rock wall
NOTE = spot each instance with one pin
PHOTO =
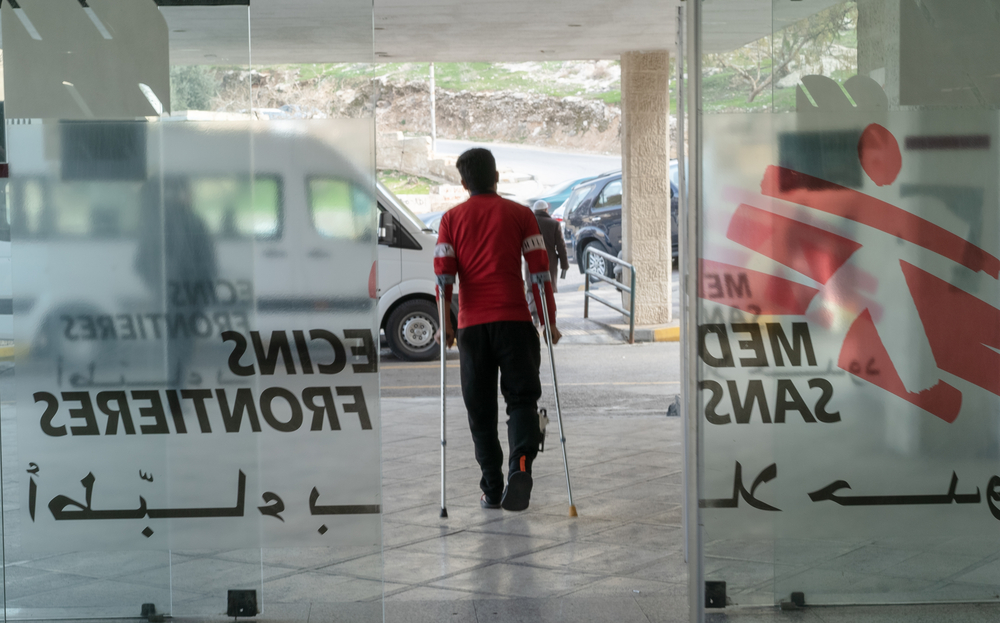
(569, 123)
(413, 155)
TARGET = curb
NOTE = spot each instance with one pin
(656, 334)
(651, 333)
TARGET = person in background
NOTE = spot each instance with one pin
(481, 242)
(551, 231)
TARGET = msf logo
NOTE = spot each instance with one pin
(963, 331)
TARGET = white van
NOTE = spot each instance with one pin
(406, 282)
(282, 246)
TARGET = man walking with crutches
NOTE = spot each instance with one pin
(482, 241)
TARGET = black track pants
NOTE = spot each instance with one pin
(512, 349)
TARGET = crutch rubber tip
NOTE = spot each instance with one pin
(444, 513)
(572, 511)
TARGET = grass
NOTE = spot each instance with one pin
(404, 184)
(478, 77)
(608, 97)
(722, 92)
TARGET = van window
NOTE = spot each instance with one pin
(74, 209)
(401, 209)
(231, 208)
(340, 209)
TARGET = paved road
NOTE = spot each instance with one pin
(548, 166)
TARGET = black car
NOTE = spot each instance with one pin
(593, 217)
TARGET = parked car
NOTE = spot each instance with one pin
(593, 218)
(558, 195)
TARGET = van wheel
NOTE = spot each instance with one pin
(410, 331)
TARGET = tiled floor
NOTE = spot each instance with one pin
(620, 560)
(628, 495)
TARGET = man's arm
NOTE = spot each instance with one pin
(445, 267)
(533, 249)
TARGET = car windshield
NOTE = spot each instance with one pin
(565, 186)
(404, 211)
(575, 199)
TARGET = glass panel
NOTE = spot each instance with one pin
(320, 282)
(738, 546)
(193, 388)
(89, 334)
(104, 59)
(847, 286)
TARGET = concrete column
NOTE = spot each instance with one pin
(646, 181)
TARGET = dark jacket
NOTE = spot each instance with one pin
(554, 243)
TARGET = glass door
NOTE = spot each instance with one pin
(194, 426)
(847, 292)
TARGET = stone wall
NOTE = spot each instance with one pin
(413, 155)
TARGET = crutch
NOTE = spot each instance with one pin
(444, 389)
(539, 280)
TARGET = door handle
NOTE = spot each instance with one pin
(318, 253)
(274, 253)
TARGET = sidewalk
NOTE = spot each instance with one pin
(604, 325)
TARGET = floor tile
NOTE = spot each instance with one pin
(565, 610)
(517, 581)
(403, 567)
(480, 546)
(430, 606)
(597, 558)
(660, 538)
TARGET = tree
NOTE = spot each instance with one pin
(192, 87)
(764, 62)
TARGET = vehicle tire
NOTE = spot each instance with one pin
(410, 331)
(596, 263)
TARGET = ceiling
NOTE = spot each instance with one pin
(323, 31)
(308, 31)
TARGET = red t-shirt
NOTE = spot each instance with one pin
(482, 241)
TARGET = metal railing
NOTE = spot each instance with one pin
(621, 287)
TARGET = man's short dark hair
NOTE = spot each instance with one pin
(478, 169)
